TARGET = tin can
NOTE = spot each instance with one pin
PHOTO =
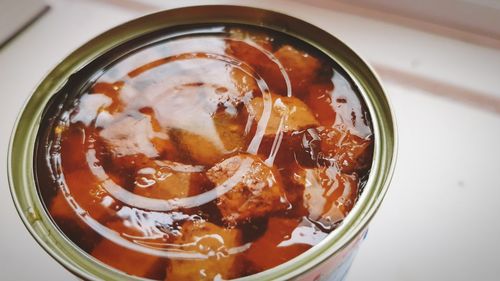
(329, 260)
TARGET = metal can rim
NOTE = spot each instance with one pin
(22, 143)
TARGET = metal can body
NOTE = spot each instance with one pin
(329, 260)
(337, 266)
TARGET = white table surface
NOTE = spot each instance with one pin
(441, 216)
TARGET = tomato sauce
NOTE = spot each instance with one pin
(207, 156)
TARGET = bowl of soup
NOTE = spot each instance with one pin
(204, 143)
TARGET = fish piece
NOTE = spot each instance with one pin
(127, 143)
(166, 180)
(218, 130)
(160, 139)
(256, 189)
(230, 131)
(301, 146)
(212, 241)
(255, 50)
(200, 149)
(230, 125)
(130, 135)
(296, 114)
(349, 152)
(162, 184)
(301, 67)
(328, 195)
(249, 46)
(243, 82)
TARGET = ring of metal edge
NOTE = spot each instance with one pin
(22, 143)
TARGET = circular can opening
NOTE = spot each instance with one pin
(205, 150)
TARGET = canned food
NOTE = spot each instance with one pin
(204, 143)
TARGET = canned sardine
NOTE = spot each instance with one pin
(203, 143)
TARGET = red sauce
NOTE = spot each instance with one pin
(207, 156)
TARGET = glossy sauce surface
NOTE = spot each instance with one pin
(214, 155)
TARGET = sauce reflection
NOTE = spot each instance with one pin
(209, 156)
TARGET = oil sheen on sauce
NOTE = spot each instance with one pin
(209, 156)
